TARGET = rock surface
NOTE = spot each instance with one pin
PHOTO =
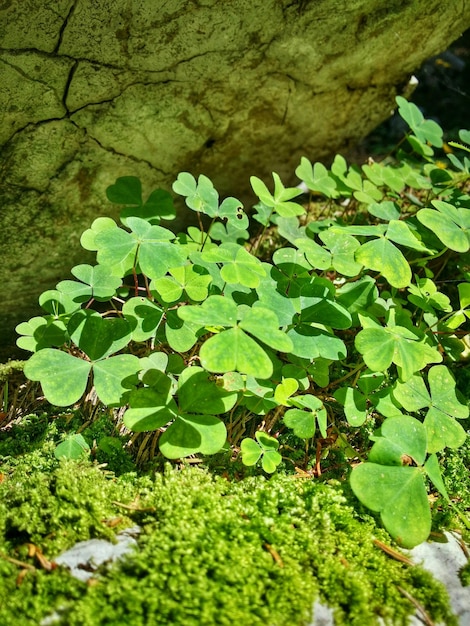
(91, 91)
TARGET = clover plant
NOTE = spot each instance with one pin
(323, 311)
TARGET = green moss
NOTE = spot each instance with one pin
(210, 552)
(455, 466)
(10, 368)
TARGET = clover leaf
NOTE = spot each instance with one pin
(73, 447)
(354, 403)
(192, 280)
(389, 484)
(149, 409)
(265, 448)
(280, 200)
(97, 282)
(399, 495)
(382, 255)
(127, 190)
(197, 393)
(143, 316)
(63, 377)
(302, 419)
(444, 407)
(41, 332)
(317, 178)
(232, 349)
(440, 424)
(193, 434)
(239, 266)
(425, 130)
(382, 346)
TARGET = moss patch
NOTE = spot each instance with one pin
(210, 552)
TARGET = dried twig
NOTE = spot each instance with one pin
(393, 553)
(419, 607)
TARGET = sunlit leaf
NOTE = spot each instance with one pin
(63, 377)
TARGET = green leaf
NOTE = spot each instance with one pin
(280, 200)
(143, 316)
(200, 196)
(464, 135)
(74, 448)
(401, 438)
(57, 303)
(41, 332)
(233, 350)
(194, 280)
(192, 434)
(369, 381)
(425, 296)
(412, 394)
(318, 257)
(385, 403)
(310, 343)
(271, 457)
(420, 147)
(96, 336)
(446, 224)
(302, 422)
(240, 267)
(381, 175)
(156, 255)
(181, 336)
(425, 130)
(464, 295)
(358, 295)
(354, 403)
(369, 193)
(385, 210)
(97, 282)
(317, 178)
(264, 325)
(128, 190)
(229, 233)
(382, 346)
(291, 263)
(381, 255)
(441, 427)
(399, 494)
(231, 210)
(324, 310)
(88, 238)
(251, 452)
(149, 410)
(215, 311)
(63, 377)
(285, 390)
(270, 298)
(185, 184)
(343, 248)
(433, 471)
(400, 232)
(115, 246)
(270, 461)
(197, 393)
(114, 377)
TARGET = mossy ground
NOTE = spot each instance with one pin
(212, 551)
